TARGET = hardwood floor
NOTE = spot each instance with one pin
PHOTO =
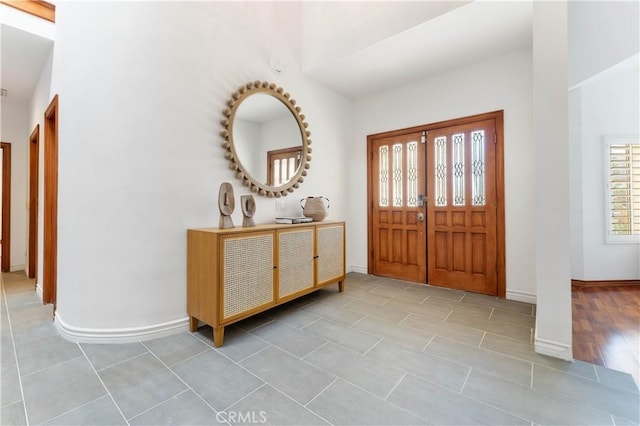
(606, 327)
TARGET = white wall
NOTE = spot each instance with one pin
(575, 182)
(502, 83)
(40, 100)
(552, 241)
(245, 136)
(601, 34)
(15, 130)
(609, 107)
(349, 32)
(140, 159)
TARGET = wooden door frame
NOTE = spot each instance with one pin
(50, 237)
(6, 207)
(34, 175)
(498, 116)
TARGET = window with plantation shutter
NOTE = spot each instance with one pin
(623, 189)
(282, 165)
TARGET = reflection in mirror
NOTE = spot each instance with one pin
(266, 139)
(282, 165)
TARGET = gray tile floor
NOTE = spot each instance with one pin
(382, 352)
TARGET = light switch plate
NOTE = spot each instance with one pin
(281, 205)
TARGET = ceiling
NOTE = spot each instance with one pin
(22, 58)
(462, 36)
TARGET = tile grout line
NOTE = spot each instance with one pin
(465, 380)
(51, 365)
(300, 404)
(402, 320)
(157, 405)
(338, 378)
(372, 346)
(347, 380)
(288, 397)
(117, 363)
(386, 397)
(482, 339)
(567, 398)
(316, 349)
(386, 301)
(15, 353)
(179, 378)
(270, 344)
(531, 337)
(191, 356)
(595, 370)
(77, 408)
(531, 383)
(250, 329)
(319, 393)
(102, 382)
(331, 374)
(362, 389)
(497, 408)
(448, 315)
(244, 397)
(308, 325)
(428, 343)
(359, 320)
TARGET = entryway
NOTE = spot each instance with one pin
(436, 198)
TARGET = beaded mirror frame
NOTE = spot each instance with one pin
(231, 154)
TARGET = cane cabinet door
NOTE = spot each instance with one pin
(330, 253)
(295, 261)
(247, 287)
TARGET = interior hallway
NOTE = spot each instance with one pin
(383, 352)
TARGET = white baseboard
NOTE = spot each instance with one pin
(16, 268)
(119, 335)
(553, 348)
(522, 296)
(357, 269)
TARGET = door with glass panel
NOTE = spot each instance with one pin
(462, 207)
(397, 212)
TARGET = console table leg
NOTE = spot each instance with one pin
(193, 324)
(340, 286)
(218, 336)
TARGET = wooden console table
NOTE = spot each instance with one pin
(235, 273)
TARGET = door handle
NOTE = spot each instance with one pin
(420, 217)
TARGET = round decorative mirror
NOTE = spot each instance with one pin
(266, 139)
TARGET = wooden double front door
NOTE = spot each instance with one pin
(435, 197)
